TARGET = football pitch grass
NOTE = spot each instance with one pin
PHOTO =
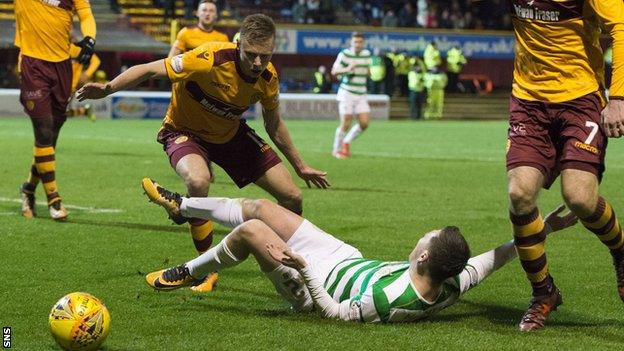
(403, 180)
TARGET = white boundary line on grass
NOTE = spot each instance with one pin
(71, 207)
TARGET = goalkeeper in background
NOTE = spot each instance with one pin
(43, 36)
(309, 267)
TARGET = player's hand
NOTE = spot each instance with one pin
(559, 222)
(286, 256)
(314, 176)
(613, 119)
(87, 44)
(93, 91)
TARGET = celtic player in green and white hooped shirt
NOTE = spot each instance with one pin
(309, 267)
(352, 67)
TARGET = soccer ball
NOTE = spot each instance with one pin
(79, 322)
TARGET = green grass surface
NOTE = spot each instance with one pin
(404, 180)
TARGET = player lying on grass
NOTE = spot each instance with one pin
(312, 268)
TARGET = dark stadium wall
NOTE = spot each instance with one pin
(499, 71)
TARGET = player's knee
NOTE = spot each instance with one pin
(250, 229)
(363, 125)
(293, 201)
(198, 185)
(257, 207)
(522, 198)
(581, 203)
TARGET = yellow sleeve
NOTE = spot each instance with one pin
(611, 12)
(270, 100)
(93, 66)
(182, 66)
(74, 51)
(87, 22)
(180, 41)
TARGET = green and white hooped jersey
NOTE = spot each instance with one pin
(354, 82)
(384, 292)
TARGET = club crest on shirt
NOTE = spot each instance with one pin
(204, 55)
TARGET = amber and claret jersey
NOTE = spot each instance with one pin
(212, 93)
(43, 27)
(558, 54)
(192, 36)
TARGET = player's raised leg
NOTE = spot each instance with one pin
(278, 182)
(529, 238)
(227, 212)
(580, 191)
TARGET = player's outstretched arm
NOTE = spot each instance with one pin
(481, 266)
(345, 310)
(277, 131)
(132, 77)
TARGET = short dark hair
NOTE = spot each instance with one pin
(357, 34)
(448, 254)
(257, 28)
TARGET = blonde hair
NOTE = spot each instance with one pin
(257, 28)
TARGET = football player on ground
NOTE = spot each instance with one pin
(559, 123)
(309, 267)
(353, 66)
(193, 36)
(43, 37)
(215, 84)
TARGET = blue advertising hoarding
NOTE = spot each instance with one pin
(483, 46)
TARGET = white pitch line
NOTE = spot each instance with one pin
(71, 207)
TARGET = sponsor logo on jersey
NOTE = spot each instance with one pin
(176, 64)
(212, 104)
(222, 86)
(587, 147)
(547, 10)
(181, 139)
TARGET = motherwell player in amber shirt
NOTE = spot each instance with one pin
(559, 124)
(214, 85)
(43, 36)
(188, 39)
(193, 36)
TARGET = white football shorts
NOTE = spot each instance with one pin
(351, 104)
(321, 251)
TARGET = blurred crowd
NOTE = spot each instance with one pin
(449, 14)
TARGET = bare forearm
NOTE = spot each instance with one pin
(281, 138)
(134, 76)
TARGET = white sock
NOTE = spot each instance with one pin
(217, 258)
(353, 133)
(225, 211)
(338, 139)
(289, 284)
